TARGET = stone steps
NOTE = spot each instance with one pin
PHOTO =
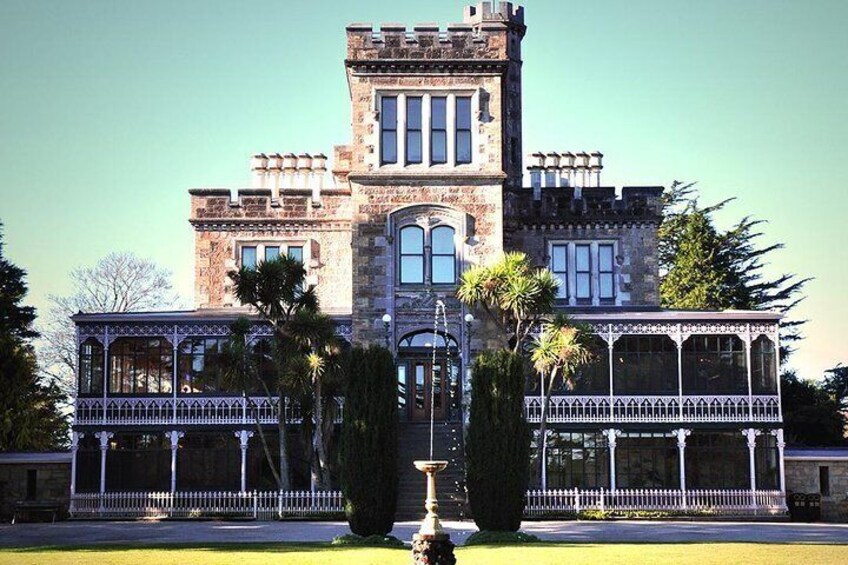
(413, 445)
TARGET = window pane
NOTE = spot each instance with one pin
(443, 269)
(419, 385)
(558, 258)
(413, 146)
(388, 113)
(401, 381)
(413, 113)
(412, 269)
(605, 282)
(248, 257)
(272, 253)
(582, 257)
(605, 258)
(562, 289)
(463, 147)
(443, 241)
(438, 117)
(439, 150)
(296, 253)
(412, 240)
(389, 147)
(583, 286)
(463, 113)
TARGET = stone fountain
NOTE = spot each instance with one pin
(432, 545)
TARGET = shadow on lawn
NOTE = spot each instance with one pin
(259, 547)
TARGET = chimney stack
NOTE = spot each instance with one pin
(319, 169)
(259, 168)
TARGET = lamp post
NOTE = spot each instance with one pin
(387, 320)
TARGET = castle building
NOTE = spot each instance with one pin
(680, 410)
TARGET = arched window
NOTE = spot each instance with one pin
(412, 255)
(714, 364)
(427, 339)
(645, 364)
(443, 259)
(763, 366)
(91, 368)
(140, 365)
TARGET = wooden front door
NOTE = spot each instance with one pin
(424, 384)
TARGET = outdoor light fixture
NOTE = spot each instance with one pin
(387, 320)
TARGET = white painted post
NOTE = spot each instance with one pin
(104, 438)
(682, 434)
(751, 435)
(781, 444)
(243, 437)
(611, 361)
(75, 437)
(612, 434)
(106, 346)
(750, 376)
(679, 341)
(174, 437)
(176, 380)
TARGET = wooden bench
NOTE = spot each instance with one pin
(30, 506)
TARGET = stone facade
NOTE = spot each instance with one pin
(803, 476)
(52, 483)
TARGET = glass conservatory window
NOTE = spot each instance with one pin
(140, 366)
(91, 368)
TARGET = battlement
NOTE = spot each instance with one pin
(481, 35)
(567, 205)
(554, 169)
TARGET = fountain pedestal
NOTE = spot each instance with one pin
(432, 545)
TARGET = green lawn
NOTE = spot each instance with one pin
(541, 554)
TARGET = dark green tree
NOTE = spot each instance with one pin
(705, 268)
(811, 416)
(30, 418)
(836, 385)
(369, 442)
(497, 446)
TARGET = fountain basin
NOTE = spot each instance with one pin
(430, 466)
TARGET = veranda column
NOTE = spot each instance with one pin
(778, 434)
(174, 436)
(612, 434)
(751, 435)
(678, 340)
(75, 437)
(750, 379)
(104, 438)
(682, 434)
(243, 437)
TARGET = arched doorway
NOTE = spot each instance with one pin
(423, 383)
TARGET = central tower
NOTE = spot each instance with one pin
(436, 123)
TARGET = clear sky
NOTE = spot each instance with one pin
(110, 110)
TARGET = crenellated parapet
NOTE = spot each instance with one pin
(481, 39)
(555, 206)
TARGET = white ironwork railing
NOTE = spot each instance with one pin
(737, 502)
(186, 410)
(714, 408)
(267, 505)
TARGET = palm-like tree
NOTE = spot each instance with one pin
(276, 289)
(560, 350)
(514, 295)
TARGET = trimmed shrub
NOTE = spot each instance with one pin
(369, 450)
(497, 447)
(370, 541)
(486, 537)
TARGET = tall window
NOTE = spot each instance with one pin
(647, 460)
(140, 366)
(578, 460)
(438, 130)
(91, 368)
(559, 267)
(606, 272)
(248, 256)
(296, 253)
(463, 130)
(583, 270)
(714, 364)
(199, 365)
(413, 130)
(443, 260)
(388, 130)
(272, 252)
(412, 255)
(644, 364)
(717, 460)
(763, 366)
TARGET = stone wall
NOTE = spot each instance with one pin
(322, 228)
(803, 476)
(53, 484)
